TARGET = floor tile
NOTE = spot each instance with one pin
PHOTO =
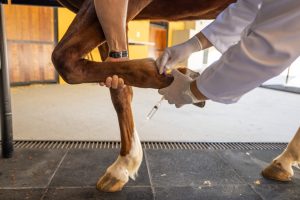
(279, 191)
(128, 193)
(16, 194)
(170, 168)
(225, 192)
(176, 174)
(249, 164)
(84, 167)
(29, 167)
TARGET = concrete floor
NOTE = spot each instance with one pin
(164, 175)
(85, 112)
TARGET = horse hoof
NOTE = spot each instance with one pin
(276, 172)
(109, 183)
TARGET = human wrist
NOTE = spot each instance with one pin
(194, 44)
(196, 92)
(203, 40)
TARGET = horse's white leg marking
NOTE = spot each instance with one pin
(117, 175)
(128, 165)
(291, 155)
(281, 167)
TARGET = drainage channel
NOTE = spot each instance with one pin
(18, 144)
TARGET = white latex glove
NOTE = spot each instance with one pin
(179, 92)
(178, 53)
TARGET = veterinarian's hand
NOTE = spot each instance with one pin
(114, 82)
(179, 92)
(178, 53)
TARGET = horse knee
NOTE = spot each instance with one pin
(65, 64)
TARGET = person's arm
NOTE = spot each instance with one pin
(227, 28)
(222, 33)
(270, 46)
(112, 16)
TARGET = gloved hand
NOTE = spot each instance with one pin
(178, 53)
(179, 92)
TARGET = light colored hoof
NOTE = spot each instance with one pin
(108, 183)
(276, 172)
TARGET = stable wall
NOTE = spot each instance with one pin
(30, 35)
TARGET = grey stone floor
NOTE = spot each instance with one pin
(85, 112)
(164, 174)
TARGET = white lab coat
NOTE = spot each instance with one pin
(258, 38)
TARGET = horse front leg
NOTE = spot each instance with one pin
(83, 35)
(131, 153)
(281, 167)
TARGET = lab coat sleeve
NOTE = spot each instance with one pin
(226, 29)
(271, 44)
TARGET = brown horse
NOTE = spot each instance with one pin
(85, 33)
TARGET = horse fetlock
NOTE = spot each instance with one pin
(125, 167)
(121, 168)
(276, 171)
(117, 175)
(281, 168)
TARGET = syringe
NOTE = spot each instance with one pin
(167, 72)
(155, 108)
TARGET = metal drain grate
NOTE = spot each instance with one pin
(147, 145)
